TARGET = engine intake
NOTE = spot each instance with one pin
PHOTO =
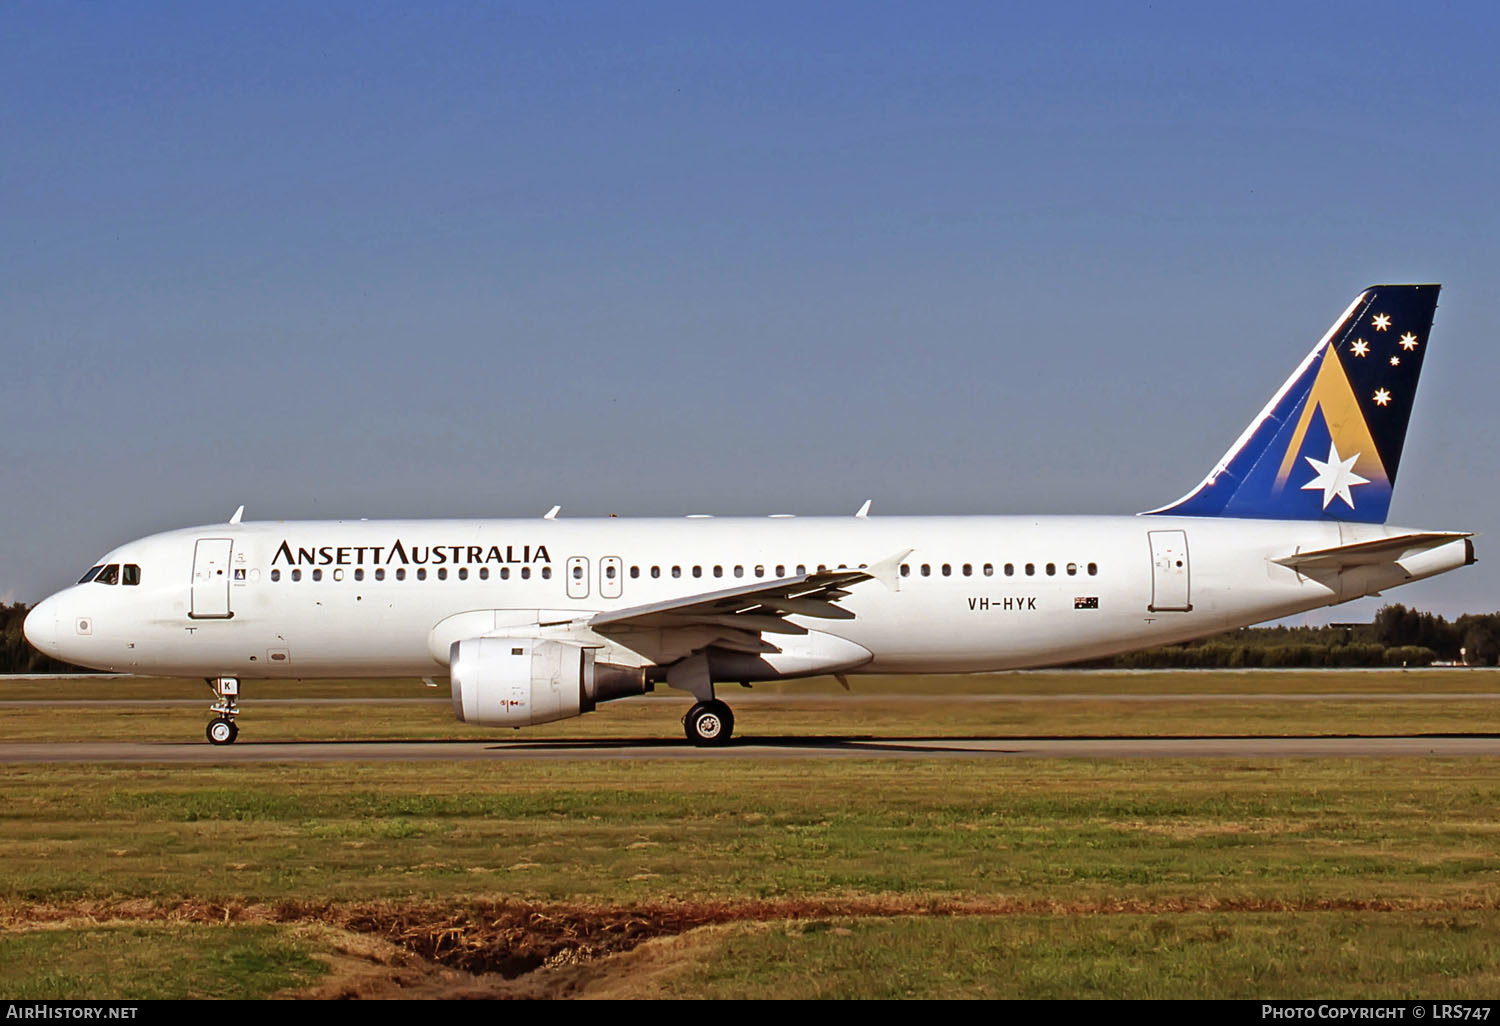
(520, 682)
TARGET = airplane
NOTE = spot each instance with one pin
(536, 620)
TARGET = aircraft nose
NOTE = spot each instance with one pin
(40, 627)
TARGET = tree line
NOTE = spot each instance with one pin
(1398, 637)
(16, 653)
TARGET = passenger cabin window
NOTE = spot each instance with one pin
(421, 573)
(1030, 569)
(609, 572)
(380, 573)
(905, 569)
(400, 573)
(525, 573)
(484, 573)
(1093, 569)
(317, 575)
(546, 573)
(296, 575)
(504, 573)
(1010, 569)
(947, 570)
(655, 572)
(1072, 569)
(780, 569)
(968, 569)
(275, 575)
(1051, 569)
(718, 571)
(926, 569)
(989, 569)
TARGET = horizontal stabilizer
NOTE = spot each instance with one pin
(1381, 550)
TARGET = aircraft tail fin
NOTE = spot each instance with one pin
(1328, 444)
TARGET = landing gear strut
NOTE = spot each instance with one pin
(709, 723)
(222, 729)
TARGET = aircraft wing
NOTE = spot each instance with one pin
(1381, 550)
(735, 618)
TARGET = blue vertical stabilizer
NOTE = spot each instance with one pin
(1328, 444)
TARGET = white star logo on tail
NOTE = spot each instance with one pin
(1335, 477)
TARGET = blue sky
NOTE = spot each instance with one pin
(477, 259)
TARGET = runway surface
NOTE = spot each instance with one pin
(833, 699)
(822, 747)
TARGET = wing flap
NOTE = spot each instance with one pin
(736, 618)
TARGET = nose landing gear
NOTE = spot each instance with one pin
(222, 729)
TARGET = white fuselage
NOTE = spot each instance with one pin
(387, 598)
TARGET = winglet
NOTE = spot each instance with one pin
(552, 513)
(239, 515)
(864, 511)
(888, 570)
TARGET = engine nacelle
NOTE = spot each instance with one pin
(520, 682)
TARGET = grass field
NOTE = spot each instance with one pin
(1034, 878)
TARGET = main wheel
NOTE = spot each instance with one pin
(709, 723)
(221, 731)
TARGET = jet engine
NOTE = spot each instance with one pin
(520, 682)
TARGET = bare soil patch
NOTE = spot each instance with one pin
(503, 949)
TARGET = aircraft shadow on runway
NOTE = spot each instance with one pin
(935, 743)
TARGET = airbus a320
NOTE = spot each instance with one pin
(535, 620)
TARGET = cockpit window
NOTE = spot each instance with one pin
(130, 574)
(109, 575)
(93, 570)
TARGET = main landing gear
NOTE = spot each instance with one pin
(709, 723)
(222, 729)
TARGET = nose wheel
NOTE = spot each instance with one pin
(222, 729)
(709, 724)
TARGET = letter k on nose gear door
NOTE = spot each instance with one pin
(211, 579)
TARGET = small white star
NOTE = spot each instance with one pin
(1360, 347)
(1382, 397)
(1408, 341)
(1395, 361)
(1381, 322)
(1335, 477)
